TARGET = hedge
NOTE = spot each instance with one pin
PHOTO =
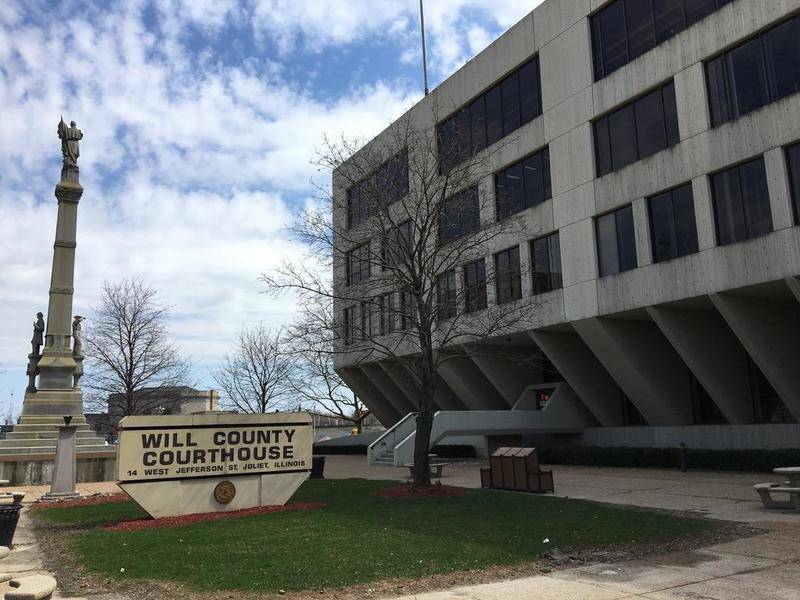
(670, 458)
(446, 451)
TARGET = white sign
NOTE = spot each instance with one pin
(174, 464)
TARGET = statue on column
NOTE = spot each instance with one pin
(70, 137)
(77, 351)
(38, 334)
(33, 358)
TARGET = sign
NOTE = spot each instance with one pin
(182, 464)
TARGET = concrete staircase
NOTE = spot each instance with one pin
(39, 435)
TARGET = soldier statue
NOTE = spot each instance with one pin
(77, 340)
(38, 334)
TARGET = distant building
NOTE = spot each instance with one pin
(180, 400)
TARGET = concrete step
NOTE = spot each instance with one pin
(21, 451)
(45, 427)
(34, 587)
(46, 435)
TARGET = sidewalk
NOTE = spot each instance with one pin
(763, 567)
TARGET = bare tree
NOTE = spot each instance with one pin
(255, 375)
(408, 249)
(131, 361)
(314, 379)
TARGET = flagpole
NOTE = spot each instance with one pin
(424, 54)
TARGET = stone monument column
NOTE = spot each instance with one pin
(56, 394)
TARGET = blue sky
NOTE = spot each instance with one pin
(200, 119)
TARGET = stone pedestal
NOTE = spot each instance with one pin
(65, 469)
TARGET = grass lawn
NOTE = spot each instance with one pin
(358, 537)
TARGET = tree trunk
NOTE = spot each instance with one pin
(422, 439)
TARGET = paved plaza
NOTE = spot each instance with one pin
(765, 566)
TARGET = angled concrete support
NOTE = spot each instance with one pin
(508, 378)
(770, 332)
(383, 410)
(406, 379)
(585, 374)
(646, 367)
(470, 385)
(707, 345)
(445, 397)
(388, 388)
(794, 286)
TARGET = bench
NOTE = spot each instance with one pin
(765, 491)
(35, 587)
(434, 469)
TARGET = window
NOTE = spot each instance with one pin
(388, 184)
(475, 286)
(347, 325)
(358, 264)
(502, 109)
(755, 73)
(616, 243)
(637, 130)
(741, 202)
(406, 311)
(396, 248)
(523, 184)
(793, 158)
(366, 322)
(460, 215)
(626, 29)
(387, 313)
(446, 300)
(546, 264)
(507, 275)
(672, 224)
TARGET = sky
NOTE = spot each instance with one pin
(201, 119)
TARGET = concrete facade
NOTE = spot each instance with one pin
(707, 342)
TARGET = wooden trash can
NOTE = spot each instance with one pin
(486, 477)
(496, 462)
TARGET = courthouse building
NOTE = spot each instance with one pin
(652, 148)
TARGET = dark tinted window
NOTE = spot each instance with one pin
(546, 264)
(672, 224)
(529, 92)
(523, 184)
(793, 158)
(475, 286)
(446, 300)
(347, 325)
(616, 242)
(755, 73)
(502, 109)
(636, 130)
(358, 264)
(386, 185)
(460, 215)
(387, 309)
(507, 275)
(741, 202)
(625, 29)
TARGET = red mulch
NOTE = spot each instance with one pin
(213, 516)
(404, 491)
(88, 501)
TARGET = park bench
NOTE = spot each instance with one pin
(790, 487)
(434, 469)
(35, 587)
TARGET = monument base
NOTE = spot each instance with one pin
(37, 469)
(51, 497)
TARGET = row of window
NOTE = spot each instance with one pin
(387, 184)
(505, 107)
(741, 207)
(753, 74)
(387, 313)
(626, 29)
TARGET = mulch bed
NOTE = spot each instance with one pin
(168, 522)
(88, 501)
(404, 491)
